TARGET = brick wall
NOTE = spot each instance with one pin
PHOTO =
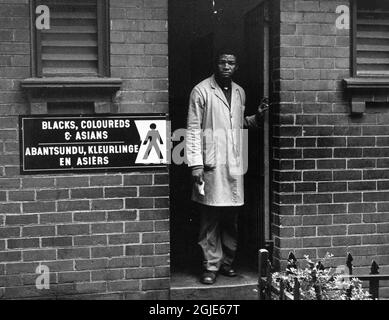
(331, 171)
(102, 236)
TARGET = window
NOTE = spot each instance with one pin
(76, 45)
(371, 38)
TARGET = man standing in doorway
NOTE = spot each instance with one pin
(214, 154)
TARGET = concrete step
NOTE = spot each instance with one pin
(186, 286)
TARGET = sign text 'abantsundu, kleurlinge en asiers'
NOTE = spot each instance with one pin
(68, 143)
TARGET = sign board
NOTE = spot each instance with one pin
(69, 144)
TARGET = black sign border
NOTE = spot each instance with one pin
(159, 116)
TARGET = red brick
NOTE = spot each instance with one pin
(331, 164)
(109, 252)
(288, 242)
(162, 272)
(81, 205)
(332, 230)
(70, 277)
(91, 264)
(362, 186)
(156, 237)
(142, 273)
(375, 239)
(105, 180)
(123, 239)
(21, 220)
(162, 225)
(124, 262)
(91, 287)
(304, 231)
(134, 180)
(161, 203)
(317, 176)
(38, 231)
(139, 250)
(143, 226)
(90, 240)
(20, 268)
(10, 256)
(305, 210)
(54, 218)
(153, 191)
(317, 198)
(107, 275)
(139, 203)
(361, 207)
(59, 194)
(317, 242)
(87, 193)
(72, 182)
(127, 215)
(8, 232)
(383, 228)
(35, 183)
(153, 214)
(23, 243)
(21, 196)
(57, 242)
(115, 204)
(375, 217)
(38, 207)
(74, 229)
(76, 253)
(125, 285)
(39, 255)
(155, 284)
(162, 248)
(120, 192)
(10, 208)
(332, 186)
(317, 220)
(347, 218)
(153, 261)
(106, 228)
(361, 229)
(89, 216)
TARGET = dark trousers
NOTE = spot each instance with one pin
(218, 237)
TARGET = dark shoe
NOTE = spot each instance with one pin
(227, 271)
(208, 277)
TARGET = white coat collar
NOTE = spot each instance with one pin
(219, 93)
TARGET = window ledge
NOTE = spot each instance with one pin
(366, 83)
(358, 104)
(41, 91)
(71, 83)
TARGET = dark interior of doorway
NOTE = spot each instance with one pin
(196, 30)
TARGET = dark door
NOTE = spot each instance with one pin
(256, 228)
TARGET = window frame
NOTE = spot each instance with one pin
(353, 16)
(354, 55)
(103, 42)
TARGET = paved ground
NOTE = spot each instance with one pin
(186, 286)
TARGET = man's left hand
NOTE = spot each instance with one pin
(262, 108)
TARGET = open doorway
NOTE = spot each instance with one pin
(197, 29)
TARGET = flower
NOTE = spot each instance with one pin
(319, 283)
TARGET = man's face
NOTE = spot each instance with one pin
(226, 66)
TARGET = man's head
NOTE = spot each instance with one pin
(226, 63)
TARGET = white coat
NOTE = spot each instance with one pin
(215, 139)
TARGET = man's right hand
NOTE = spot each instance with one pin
(197, 174)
